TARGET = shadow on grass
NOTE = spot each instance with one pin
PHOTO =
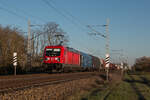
(105, 98)
(84, 99)
(99, 82)
(133, 85)
(95, 92)
(145, 81)
(103, 76)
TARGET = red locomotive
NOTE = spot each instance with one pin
(56, 57)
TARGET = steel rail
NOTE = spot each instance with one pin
(37, 77)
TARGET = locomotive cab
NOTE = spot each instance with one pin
(53, 57)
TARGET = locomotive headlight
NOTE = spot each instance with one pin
(58, 59)
(47, 58)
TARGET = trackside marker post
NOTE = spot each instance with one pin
(107, 66)
(15, 61)
(122, 69)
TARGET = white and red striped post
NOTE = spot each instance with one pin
(107, 66)
(15, 61)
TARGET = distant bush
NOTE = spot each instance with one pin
(6, 70)
(36, 70)
(9, 70)
(142, 64)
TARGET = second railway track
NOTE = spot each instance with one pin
(15, 84)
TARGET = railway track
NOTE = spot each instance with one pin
(16, 84)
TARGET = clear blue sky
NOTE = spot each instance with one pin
(129, 22)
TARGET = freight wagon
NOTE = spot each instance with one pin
(86, 61)
(96, 63)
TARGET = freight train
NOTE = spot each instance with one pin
(61, 58)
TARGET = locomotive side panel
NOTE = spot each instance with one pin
(76, 59)
(72, 58)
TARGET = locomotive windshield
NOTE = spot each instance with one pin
(53, 52)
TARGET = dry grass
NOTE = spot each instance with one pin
(99, 90)
(133, 87)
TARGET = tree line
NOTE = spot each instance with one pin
(13, 39)
(142, 64)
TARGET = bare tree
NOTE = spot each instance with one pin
(49, 34)
(142, 64)
(55, 35)
(11, 41)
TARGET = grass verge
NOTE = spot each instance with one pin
(133, 87)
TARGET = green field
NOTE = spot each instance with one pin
(132, 87)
